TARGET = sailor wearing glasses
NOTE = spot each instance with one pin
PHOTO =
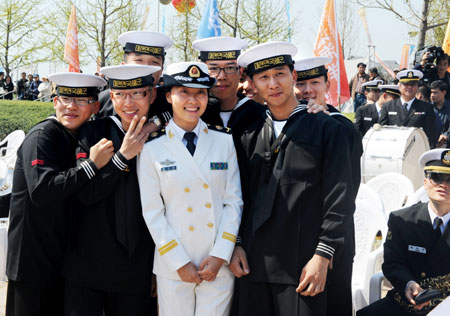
(46, 179)
(233, 110)
(109, 265)
(418, 242)
(191, 200)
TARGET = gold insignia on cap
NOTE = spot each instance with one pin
(446, 157)
(194, 72)
(389, 235)
(410, 74)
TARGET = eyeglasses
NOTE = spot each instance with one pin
(135, 95)
(439, 178)
(78, 101)
(228, 70)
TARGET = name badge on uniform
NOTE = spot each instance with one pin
(367, 119)
(169, 168)
(392, 113)
(219, 165)
(170, 165)
(417, 249)
(419, 113)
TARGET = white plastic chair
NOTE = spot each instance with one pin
(9, 146)
(419, 196)
(394, 189)
(369, 220)
(366, 193)
(3, 247)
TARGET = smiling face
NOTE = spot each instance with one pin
(188, 105)
(72, 115)
(315, 88)
(128, 103)
(148, 60)
(227, 78)
(408, 90)
(276, 85)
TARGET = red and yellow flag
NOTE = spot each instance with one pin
(71, 48)
(328, 44)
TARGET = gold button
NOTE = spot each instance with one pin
(423, 275)
(187, 190)
(208, 205)
(191, 228)
(189, 209)
(205, 186)
(210, 225)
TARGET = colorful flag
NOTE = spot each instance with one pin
(404, 60)
(71, 48)
(210, 23)
(446, 43)
(328, 44)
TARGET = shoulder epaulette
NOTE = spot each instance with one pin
(219, 128)
(156, 134)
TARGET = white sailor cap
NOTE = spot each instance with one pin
(129, 76)
(313, 67)
(189, 74)
(75, 84)
(390, 88)
(435, 160)
(145, 42)
(372, 85)
(409, 75)
(266, 56)
(219, 48)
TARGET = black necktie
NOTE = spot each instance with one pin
(405, 108)
(190, 142)
(437, 231)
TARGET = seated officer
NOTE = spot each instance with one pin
(418, 243)
(46, 180)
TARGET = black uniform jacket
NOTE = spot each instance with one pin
(111, 248)
(420, 114)
(295, 191)
(244, 115)
(160, 107)
(46, 179)
(365, 117)
(410, 250)
(356, 150)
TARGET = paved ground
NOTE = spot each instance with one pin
(3, 286)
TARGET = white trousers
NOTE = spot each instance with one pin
(178, 298)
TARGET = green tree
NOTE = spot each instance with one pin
(19, 24)
(422, 17)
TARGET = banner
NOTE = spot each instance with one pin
(404, 60)
(446, 43)
(71, 47)
(362, 14)
(328, 44)
(210, 23)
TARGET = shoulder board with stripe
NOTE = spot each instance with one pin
(155, 135)
(219, 128)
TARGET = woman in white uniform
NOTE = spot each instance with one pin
(191, 200)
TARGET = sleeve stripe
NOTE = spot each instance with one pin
(326, 249)
(166, 248)
(229, 237)
(88, 169)
(119, 164)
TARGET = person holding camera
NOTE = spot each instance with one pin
(438, 71)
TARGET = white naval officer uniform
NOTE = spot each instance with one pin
(192, 206)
